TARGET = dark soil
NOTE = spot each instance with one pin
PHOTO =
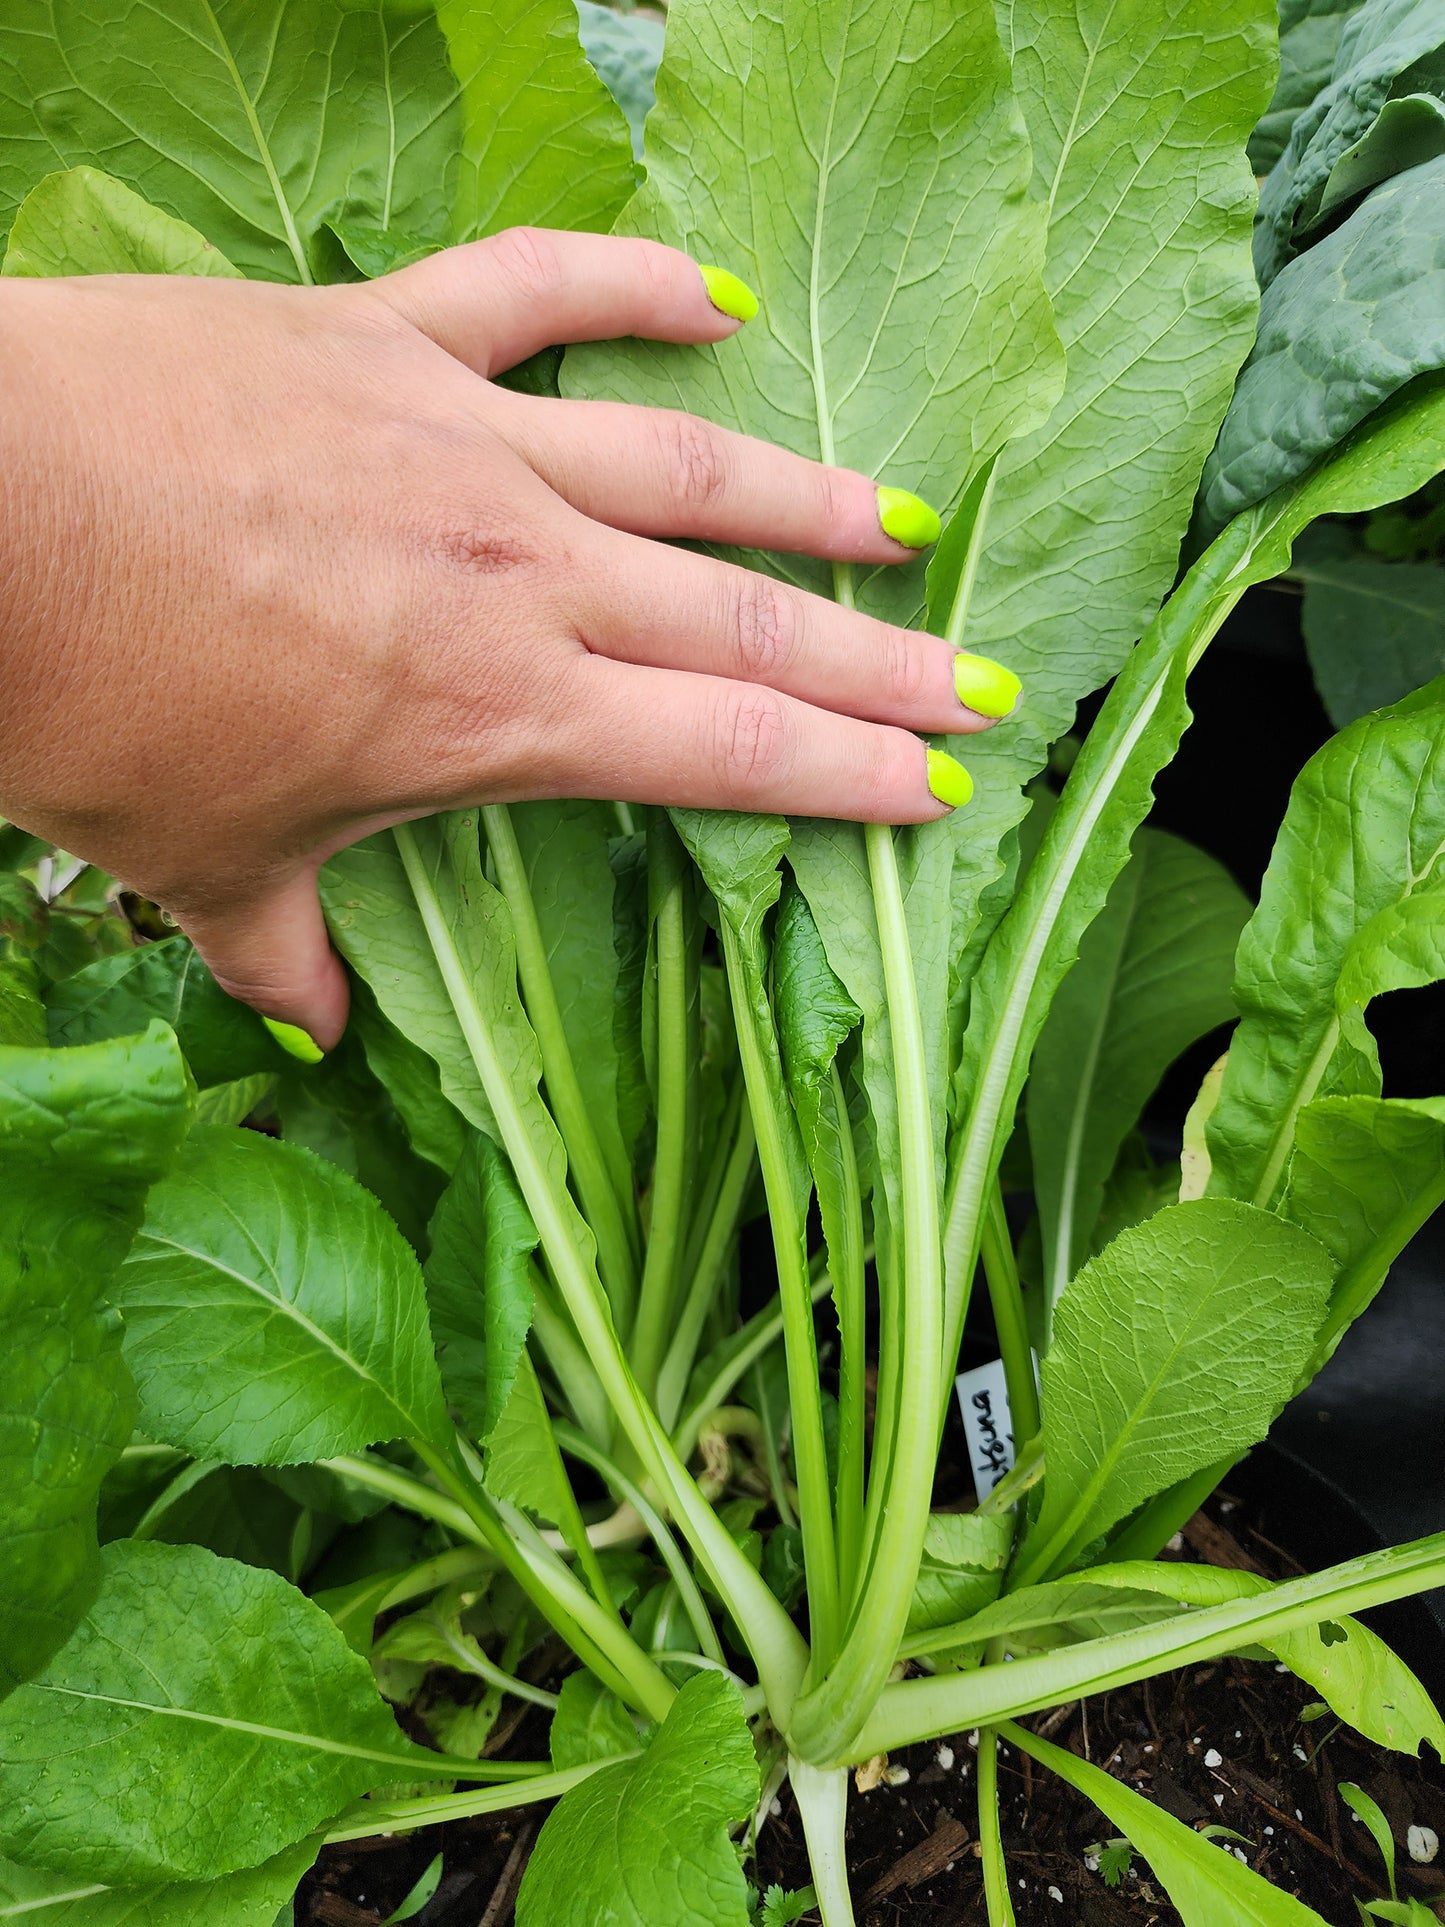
(911, 1845)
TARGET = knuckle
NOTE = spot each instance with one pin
(482, 552)
(834, 497)
(695, 457)
(766, 623)
(655, 268)
(902, 673)
(887, 768)
(755, 739)
(529, 259)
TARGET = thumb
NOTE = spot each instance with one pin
(272, 952)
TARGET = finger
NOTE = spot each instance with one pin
(699, 742)
(274, 954)
(666, 609)
(656, 471)
(492, 303)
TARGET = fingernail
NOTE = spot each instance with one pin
(907, 519)
(984, 686)
(949, 780)
(292, 1039)
(728, 295)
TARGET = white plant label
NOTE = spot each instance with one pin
(987, 1424)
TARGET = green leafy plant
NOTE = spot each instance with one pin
(461, 1347)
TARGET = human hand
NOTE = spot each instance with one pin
(279, 569)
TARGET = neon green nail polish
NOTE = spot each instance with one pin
(295, 1041)
(984, 686)
(907, 519)
(949, 780)
(728, 294)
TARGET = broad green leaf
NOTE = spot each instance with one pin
(815, 1016)
(257, 121)
(1348, 1665)
(233, 1103)
(232, 1511)
(380, 930)
(1138, 114)
(904, 329)
(1136, 1189)
(541, 140)
(203, 1716)
(83, 1134)
(1205, 1882)
(1340, 330)
(22, 1015)
(1364, 831)
(1410, 130)
(1402, 947)
(433, 1125)
(590, 1723)
(647, 1840)
(340, 1110)
(1153, 975)
(523, 1463)
(626, 49)
(1378, 44)
(815, 1013)
(1109, 791)
(86, 222)
(1179, 1343)
(377, 251)
(964, 1554)
(1309, 36)
(1374, 630)
(1365, 1174)
(479, 1285)
(119, 995)
(274, 1314)
(249, 1899)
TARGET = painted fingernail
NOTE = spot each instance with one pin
(949, 780)
(295, 1041)
(728, 294)
(907, 519)
(984, 686)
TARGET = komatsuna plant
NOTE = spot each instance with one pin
(456, 1355)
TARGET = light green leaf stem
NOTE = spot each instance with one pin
(921, 1709)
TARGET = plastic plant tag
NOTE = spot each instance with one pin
(987, 1424)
